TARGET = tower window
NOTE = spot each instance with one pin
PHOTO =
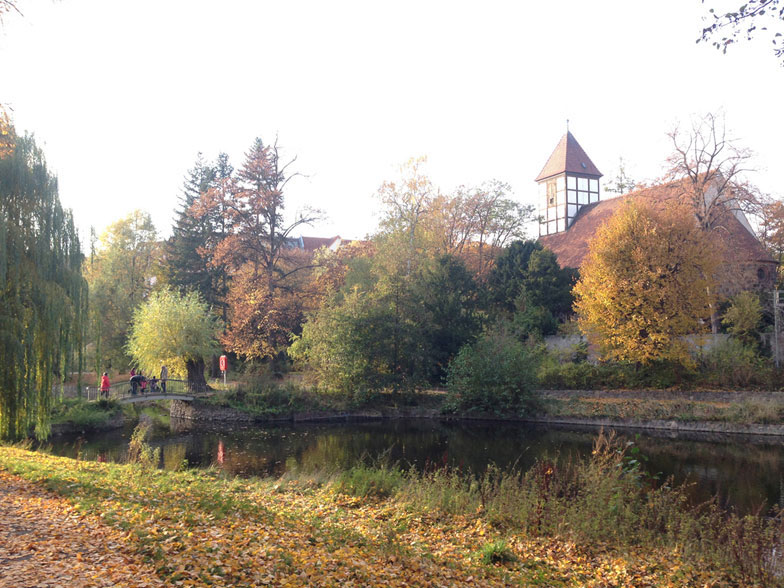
(551, 193)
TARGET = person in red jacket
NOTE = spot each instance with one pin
(105, 385)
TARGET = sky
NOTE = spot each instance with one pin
(123, 95)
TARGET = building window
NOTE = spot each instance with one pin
(761, 274)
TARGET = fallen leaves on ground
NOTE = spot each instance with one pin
(195, 528)
(45, 541)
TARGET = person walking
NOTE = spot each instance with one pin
(164, 377)
(105, 385)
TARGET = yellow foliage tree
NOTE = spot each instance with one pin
(645, 283)
(176, 330)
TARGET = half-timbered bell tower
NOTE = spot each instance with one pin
(568, 181)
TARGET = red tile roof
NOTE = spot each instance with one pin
(568, 157)
(571, 246)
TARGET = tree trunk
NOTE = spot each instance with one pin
(196, 381)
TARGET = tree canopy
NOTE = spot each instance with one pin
(177, 330)
(121, 273)
(645, 284)
(43, 296)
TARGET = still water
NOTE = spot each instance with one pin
(746, 473)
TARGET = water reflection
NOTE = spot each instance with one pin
(746, 473)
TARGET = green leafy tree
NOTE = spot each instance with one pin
(496, 373)
(526, 269)
(121, 274)
(185, 266)
(42, 293)
(177, 330)
(450, 301)
(743, 318)
(505, 282)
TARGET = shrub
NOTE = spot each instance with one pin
(496, 373)
(743, 317)
(731, 363)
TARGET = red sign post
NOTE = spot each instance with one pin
(224, 366)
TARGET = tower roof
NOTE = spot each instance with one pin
(568, 157)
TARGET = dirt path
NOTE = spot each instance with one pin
(44, 541)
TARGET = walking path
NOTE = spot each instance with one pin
(46, 542)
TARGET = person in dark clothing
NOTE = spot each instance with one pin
(136, 382)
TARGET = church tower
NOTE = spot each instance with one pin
(568, 181)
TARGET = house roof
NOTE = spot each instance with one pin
(315, 243)
(568, 157)
(571, 246)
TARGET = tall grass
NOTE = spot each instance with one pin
(605, 499)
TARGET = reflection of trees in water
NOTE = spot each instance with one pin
(741, 472)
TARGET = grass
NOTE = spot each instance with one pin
(86, 415)
(593, 521)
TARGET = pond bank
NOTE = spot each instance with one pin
(724, 412)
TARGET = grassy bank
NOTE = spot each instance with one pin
(747, 411)
(79, 414)
(267, 398)
(584, 523)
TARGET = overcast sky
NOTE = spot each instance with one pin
(123, 95)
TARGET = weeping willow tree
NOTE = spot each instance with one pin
(42, 293)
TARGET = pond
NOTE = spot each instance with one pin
(744, 472)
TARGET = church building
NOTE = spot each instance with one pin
(571, 211)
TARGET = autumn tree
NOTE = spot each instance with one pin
(43, 296)
(472, 223)
(264, 309)
(645, 284)
(476, 223)
(745, 22)
(121, 274)
(177, 330)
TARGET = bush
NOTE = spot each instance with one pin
(262, 396)
(495, 374)
(731, 363)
